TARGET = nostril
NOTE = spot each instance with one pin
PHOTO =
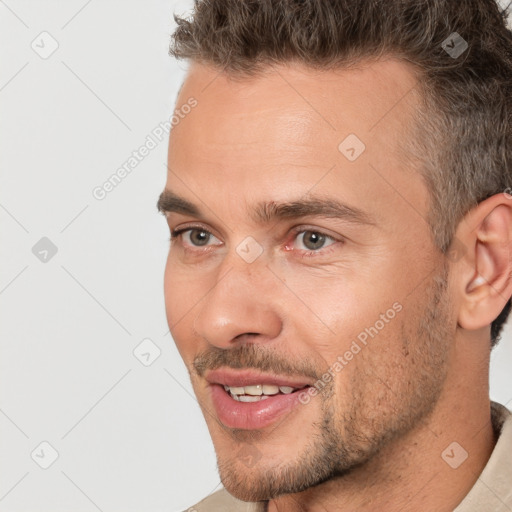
(246, 336)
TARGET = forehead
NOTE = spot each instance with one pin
(365, 95)
(284, 131)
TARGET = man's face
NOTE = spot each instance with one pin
(305, 262)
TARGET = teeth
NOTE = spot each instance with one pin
(270, 389)
(257, 391)
(253, 390)
(249, 398)
(236, 391)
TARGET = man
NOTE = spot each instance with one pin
(340, 261)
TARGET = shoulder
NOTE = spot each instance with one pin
(225, 502)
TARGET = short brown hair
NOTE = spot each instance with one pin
(462, 134)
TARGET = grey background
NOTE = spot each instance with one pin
(129, 434)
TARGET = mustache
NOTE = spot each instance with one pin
(254, 357)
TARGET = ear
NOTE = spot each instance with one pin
(485, 273)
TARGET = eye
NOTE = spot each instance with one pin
(196, 237)
(312, 240)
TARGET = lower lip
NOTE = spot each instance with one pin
(251, 415)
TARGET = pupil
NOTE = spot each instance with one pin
(199, 237)
(313, 240)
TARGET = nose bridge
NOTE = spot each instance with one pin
(239, 302)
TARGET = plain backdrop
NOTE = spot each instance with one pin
(90, 419)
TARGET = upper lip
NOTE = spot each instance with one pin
(245, 377)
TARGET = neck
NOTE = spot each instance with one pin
(424, 469)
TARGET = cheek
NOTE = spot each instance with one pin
(347, 319)
(328, 303)
(182, 291)
(171, 293)
(181, 297)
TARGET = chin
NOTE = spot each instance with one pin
(247, 484)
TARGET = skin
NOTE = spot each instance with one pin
(373, 439)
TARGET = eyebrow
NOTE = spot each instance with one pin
(313, 206)
(170, 202)
(267, 212)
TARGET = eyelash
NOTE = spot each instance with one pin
(296, 231)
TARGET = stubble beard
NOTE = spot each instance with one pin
(387, 401)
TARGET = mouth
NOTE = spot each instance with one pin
(249, 400)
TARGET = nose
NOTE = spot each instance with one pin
(239, 304)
